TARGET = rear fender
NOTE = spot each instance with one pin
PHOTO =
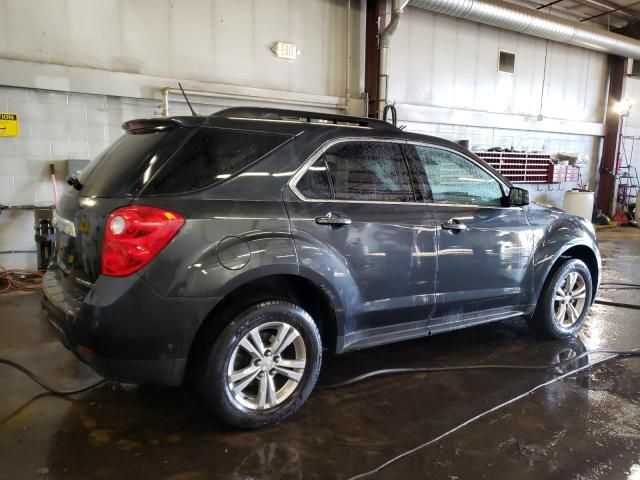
(328, 269)
(224, 265)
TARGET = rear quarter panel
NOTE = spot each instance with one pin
(223, 244)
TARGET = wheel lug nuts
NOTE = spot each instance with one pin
(272, 372)
(267, 353)
(261, 374)
(276, 358)
(256, 362)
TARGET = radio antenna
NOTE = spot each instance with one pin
(193, 112)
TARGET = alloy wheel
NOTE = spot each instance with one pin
(569, 299)
(266, 366)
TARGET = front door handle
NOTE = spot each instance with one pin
(454, 225)
(333, 219)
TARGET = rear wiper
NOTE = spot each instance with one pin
(75, 183)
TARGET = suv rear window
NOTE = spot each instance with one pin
(210, 156)
(114, 171)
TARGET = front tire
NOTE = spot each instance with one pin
(564, 303)
(263, 365)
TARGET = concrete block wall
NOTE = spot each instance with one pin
(54, 127)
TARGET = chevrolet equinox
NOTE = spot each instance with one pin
(239, 247)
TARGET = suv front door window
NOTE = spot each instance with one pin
(455, 180)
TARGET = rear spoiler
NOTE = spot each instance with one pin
(149, 125)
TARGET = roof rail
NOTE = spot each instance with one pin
(299, 116)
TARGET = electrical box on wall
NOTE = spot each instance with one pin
(9, 126)
(75, 166)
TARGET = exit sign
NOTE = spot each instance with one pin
(285, 50)
(9, 125)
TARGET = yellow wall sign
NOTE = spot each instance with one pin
(9, 125)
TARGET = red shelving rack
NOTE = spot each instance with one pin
(525, 167)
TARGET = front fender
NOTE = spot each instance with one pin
(552, 241)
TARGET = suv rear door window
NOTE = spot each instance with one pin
(369, 171)
(210, 156)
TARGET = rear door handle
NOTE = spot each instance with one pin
(333, 219)
(454, 225)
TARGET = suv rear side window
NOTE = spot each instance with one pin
(210, 156)
(364, 171)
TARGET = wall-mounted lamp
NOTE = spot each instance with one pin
(623, 107)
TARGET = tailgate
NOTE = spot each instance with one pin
(111, 181)
(79, 223)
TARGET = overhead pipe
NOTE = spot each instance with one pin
(166, 91)
(384, 43)
(531, 22)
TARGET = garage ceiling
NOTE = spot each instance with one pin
(609, 13)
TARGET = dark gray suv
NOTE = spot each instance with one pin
(240, 246)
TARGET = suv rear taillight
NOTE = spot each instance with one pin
(134, 235)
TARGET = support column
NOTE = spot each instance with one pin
(612, 133)
(375, 22)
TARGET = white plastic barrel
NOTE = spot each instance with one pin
(577, 202)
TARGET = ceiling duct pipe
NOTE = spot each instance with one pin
(384, 43)
(531, 22)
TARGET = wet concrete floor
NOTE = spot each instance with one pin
(586, 426)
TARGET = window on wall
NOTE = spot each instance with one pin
(506, 62)
(454, 179)
(362, 171)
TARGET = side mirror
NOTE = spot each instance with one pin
(518, 197)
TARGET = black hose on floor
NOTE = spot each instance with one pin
(611, 303)
(29, 402)
(618, 286)
(471, 420)
(44, 384)
(623, 284)
(548, 366)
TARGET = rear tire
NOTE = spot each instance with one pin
(564, 302)
(262, 366)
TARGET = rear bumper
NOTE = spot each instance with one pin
(124, 329)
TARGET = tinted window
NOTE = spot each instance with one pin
(314, 183)
(116, 169)
(374, 171)
(455, 179)
(210, 156)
